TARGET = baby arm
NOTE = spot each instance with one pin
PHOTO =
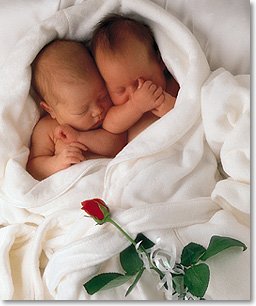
(98, 141)
(146, 97)
(44, 160)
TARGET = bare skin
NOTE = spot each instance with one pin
(138, 87)
(77, 102)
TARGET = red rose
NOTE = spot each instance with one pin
(97, 209)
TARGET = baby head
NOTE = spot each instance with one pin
(69, 85)
(125, 50)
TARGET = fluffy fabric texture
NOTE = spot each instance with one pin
(165, 183)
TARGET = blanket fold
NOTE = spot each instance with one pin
(226, 119)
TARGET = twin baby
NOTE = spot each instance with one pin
(95, 104)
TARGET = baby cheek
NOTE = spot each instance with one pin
(119, 99)
(107, 103)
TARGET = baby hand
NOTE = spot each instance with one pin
(147, 96)
(166, 106)
(66, 133)
(71, 154)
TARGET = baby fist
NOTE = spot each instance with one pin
(66, 133)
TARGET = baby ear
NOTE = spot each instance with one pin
(48, 109)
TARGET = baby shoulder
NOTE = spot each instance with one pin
(45, 126)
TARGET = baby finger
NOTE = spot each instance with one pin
(152, 88)
(72, 160)
(79, 146)
(77, 154)
(147, 84)
(159, 100)
(158, 92)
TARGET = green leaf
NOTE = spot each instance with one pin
(105, 281)
(146, 243)
(130, 260)
(178, 283)
(138, 276)
(197, 278)
(191, 254)
(117, 281)
(219, 243)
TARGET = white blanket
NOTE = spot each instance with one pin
(165, 183)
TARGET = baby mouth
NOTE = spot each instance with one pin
(98, 124)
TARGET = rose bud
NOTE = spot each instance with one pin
(97, 209)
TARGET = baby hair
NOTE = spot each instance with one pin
(60, 60)
(109, 34)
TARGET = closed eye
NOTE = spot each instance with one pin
(82, 112)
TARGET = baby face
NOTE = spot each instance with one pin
(82, 104)
(122, 71)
